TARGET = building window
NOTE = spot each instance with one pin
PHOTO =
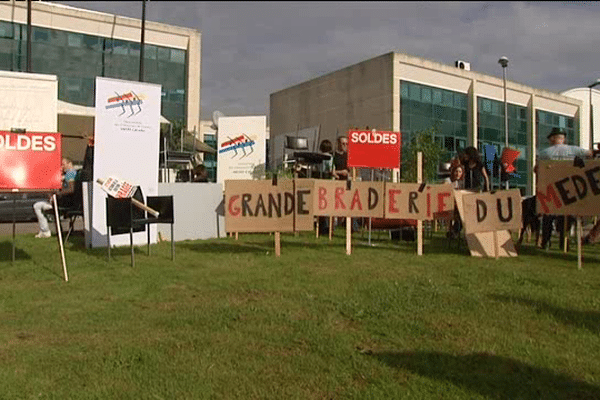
(545, 121)
(491, 132)
(423, 107)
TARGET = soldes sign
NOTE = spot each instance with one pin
(30, 161)
(374, 149)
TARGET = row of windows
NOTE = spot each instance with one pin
(18, 32)
(432, 95)
(77, 59)
(545, 121)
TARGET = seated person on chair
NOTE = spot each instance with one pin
(65, 198)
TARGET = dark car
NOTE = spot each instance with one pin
(20, 205)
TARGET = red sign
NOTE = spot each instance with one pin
(30, 161)
(374, 149)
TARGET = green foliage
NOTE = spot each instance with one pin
(174, 136)
(229, 320)
(433, 153)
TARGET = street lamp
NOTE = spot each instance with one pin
(504, 62)
(592, 114)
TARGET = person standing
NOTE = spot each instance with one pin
(558, 150)
(475, 174)
(68, 188)
(340, 169)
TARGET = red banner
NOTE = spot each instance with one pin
(374, 149)
(30, 161)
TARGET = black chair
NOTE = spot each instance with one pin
(124, 217)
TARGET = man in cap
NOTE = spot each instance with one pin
(558, 150)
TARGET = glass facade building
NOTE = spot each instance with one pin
(76, 59)
(545, 121)
(491, 132)
(423, 107)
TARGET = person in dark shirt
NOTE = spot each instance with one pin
(475, 174)
(340, 159)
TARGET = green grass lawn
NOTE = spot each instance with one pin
(229, 320)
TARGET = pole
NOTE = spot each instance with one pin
(505, 115)
(591, 122)
(28, 36)
(142, 41)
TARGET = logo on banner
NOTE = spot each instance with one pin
(129, 100)
(241, 142)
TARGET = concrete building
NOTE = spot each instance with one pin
(78, 45)
(405, 93)
(588, 96)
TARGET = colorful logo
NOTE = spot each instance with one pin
(241, 142)
(130, 99)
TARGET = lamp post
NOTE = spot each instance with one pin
(504, 62)
(592, 114)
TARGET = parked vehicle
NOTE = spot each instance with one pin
(20, 205)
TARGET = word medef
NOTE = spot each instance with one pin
(570, 189)
(11, 142)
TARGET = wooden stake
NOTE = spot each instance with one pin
(236, 236)
(579, 234)
(60, 241)
(330, 228)
(419, 222)
(496, 246)
(277, 244)
(565, 234)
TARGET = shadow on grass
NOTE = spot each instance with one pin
(589, 320)
(492, 376)
(6, 251)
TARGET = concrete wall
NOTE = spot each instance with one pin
(358, 95)
(195, 206)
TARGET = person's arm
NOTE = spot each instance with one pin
(486, 179)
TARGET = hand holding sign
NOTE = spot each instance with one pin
(121, 190)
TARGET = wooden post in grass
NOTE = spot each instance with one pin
(277, 244)
(419, 222)
(330, 228)
(565, 234)
(579, 234)
(59, 234)
(349, 223)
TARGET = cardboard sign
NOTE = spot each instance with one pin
(417, 201)
(374, 149)
(260, 206)
(487, 212)
(362, 199)
(565, 189)
(30, 161)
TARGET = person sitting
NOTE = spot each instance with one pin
(65, 198)
(200, 174)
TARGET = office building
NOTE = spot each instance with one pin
(409, 94)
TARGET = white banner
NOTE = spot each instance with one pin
(241, 145)
(28, 101)
(127, 141)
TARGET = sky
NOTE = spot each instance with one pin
(253, 49)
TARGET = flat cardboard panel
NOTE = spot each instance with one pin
(304, 208)
(564, 189)
(416, 201)
(488, 212)
(333, 198)
(260, 206)
(481, 244)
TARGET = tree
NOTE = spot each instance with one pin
(433, 153)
